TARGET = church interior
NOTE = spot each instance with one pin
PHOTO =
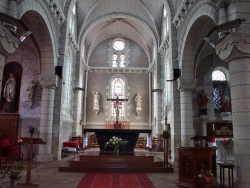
(169, 78)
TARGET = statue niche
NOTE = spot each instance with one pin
(11, 87)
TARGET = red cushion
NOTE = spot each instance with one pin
(5, 142)
(73, 144)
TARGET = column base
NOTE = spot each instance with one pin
(44, 157)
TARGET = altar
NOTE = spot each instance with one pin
(131, 135)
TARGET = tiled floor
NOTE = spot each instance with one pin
(48, 176)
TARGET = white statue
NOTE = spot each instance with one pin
(9, 92)
(31, 89)
(138, 103)
(96, 106)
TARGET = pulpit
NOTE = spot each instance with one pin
(191, 161)
(31, 141)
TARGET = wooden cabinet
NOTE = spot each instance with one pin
(191, 161)
(9, 126)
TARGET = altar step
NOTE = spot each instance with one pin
(116, 163)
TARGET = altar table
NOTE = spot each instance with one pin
(131, 135)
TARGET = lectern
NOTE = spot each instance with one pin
(31, 141)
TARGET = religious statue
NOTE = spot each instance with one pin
(224, 102)
(138, 103)
(203, 100)
(9, 92)
(31, 89)
(96, 106)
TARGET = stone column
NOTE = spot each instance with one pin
(12, 8)
(222, 7)
(8, 45)
(235, 50)
(185, 86)
(49, 84)
(204, 119)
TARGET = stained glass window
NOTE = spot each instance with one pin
(117, 90)
(219, 84)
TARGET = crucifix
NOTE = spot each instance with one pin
(117, 102)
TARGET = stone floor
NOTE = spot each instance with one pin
(47, 175)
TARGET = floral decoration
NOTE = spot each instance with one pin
(13, 172)
(207, 179)
(226, 142)
(31, 129)
(116, 142)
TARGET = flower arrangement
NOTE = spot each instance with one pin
(115, 143)
(226, 142)
(31, 129)
(206, 179)
(13, 172)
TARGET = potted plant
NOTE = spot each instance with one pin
(31, 130)
(13, 172)
(206, 179)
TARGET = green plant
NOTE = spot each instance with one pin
(31, 129)
(115, 142)
(13, 172)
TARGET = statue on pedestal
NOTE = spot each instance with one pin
(9, 93)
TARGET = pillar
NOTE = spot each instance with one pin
(12, 8)
(223, 15)
(48, 84)
(234, 49)
(185, 86)
(204, 119)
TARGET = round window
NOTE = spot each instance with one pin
(119, 44)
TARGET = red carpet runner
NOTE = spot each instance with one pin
(115, 180)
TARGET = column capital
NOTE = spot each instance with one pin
(48, 81)
(222, 4)
(186, 84)
(234, 46)
(8, 41)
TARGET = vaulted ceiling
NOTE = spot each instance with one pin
(138, 20)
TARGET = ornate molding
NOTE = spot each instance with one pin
(72, 43)
(8, 42)
(117, 70)
(233, 46)
(182, 12)
(164, 45)
(48, 81)
(188, 23)
(186, 84)
(57, 11)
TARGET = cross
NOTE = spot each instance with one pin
(117, 102)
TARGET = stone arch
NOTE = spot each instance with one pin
(204, 11)
(46, 35)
